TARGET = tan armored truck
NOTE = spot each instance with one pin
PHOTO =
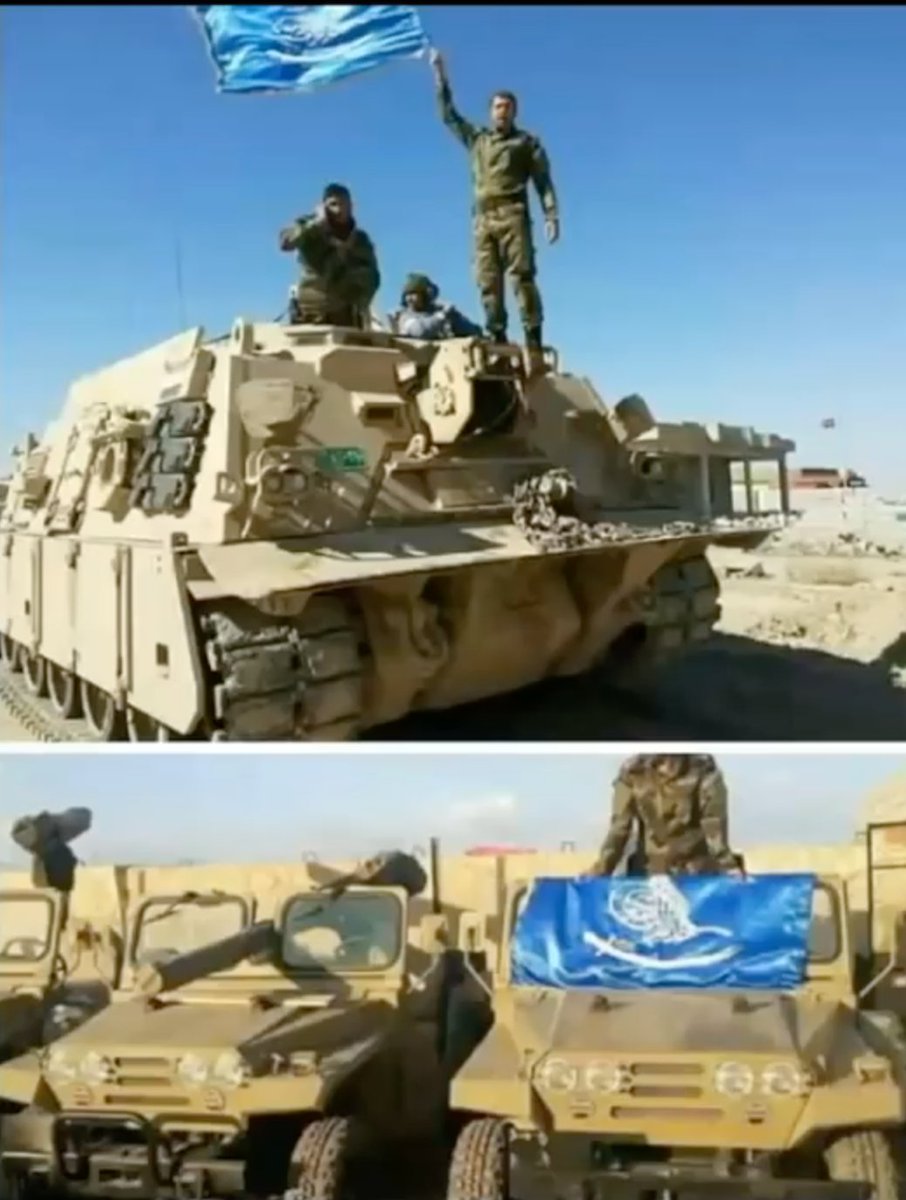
(38, 999)
(280, 1053)
(57, 965)
(302, 533)
(668, 1092)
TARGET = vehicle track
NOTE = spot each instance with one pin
(621, 715)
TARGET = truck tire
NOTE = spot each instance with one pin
(319, 1167)
(480, 1167)
(869, 1156)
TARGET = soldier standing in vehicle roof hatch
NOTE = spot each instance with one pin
(677, 806)
(504, 160)
(340, 275)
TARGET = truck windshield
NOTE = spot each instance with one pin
(356, 932)
(172, 925)
(26, 924)
(824, 935)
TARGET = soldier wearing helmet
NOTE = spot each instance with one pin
(421, 315)
(676, 804)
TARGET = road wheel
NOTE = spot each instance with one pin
(34, 668)
(320, 1163)
(101, 714)
(10, 653)
(867, 1156)
(63, 690)
(480, 1168)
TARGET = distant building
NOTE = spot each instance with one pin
(825, 477)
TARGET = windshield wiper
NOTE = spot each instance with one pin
(202, 899)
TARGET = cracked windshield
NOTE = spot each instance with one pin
(353, 933)
(169, 927)
(25, 928)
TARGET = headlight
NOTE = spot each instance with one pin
(95, 1068)
(193, 1070)
(606, 1077)
(557, 1075)
(62, 1018)
(785, 1079)
(59, 1067)
(231, 1069)
(734, 1079)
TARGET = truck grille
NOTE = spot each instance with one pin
(143, 1072)
(666, 1081)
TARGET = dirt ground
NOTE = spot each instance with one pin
(811, 646)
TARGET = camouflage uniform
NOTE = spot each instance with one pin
(678, 805)
(340, 275)
(502, 166)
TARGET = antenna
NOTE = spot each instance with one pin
(180, 294)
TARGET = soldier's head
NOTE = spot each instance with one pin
(337, 204)
(672, 766)
(419, 293)
(667, 766)
(503, 111)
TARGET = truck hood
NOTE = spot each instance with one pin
(133, 1028)
(681, 1022)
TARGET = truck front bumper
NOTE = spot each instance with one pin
(36, 1148)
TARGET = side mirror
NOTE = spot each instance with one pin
(433, 934)
(473, 933)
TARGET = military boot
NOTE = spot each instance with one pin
(534, 351)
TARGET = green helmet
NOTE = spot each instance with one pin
(419, 284)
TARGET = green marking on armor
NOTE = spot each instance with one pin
(341, 458)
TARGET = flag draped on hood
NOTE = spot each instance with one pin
(300, 47)
(694, 931)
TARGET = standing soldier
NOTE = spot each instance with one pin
(677, 806)
(504, 160)
(340, 274)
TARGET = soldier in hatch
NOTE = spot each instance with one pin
(676, 804)
(421, 315)
(340, 275)
(505, 159)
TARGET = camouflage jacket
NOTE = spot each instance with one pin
(337, 272)
(502, 164)
(681, 820)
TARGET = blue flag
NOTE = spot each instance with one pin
(660, 932)
(299, 47)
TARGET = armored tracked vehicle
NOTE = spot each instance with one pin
(663, 1091)
(248, 1053)
(298, 532)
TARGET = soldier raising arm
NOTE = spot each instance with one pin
(340, 275)
(504, 160)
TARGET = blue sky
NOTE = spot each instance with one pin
(242, 807)
(732, 179)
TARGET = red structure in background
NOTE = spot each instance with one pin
(494, 851)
